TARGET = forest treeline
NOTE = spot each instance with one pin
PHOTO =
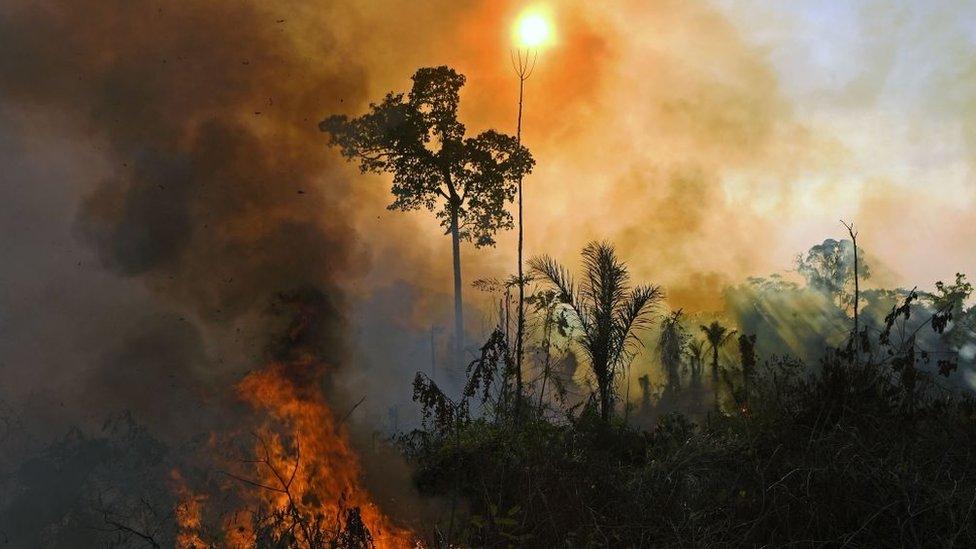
(870, 444)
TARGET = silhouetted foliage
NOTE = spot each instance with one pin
(671, 346)
(493, 360)
(829, 267)
(951, 297)
(434, 404)
(851, 452)
(419, 140)
(716, 335)
(606, 309)
(466, 180)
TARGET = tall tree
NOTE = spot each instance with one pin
(606, 309)
(695, 352)
(418, 138)
(855, 300)
(830, 268)
(523, 65)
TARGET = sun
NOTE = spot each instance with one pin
(532, 29)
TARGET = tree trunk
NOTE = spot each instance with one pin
(547, 345)
(458, 309)
(604, 405)
(715, 363)
(715, 375)
(857, 289)
(605, 386)
(520, 327)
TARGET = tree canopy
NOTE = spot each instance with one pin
(829, 268)
(417, 137)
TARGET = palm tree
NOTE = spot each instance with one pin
(717, 335)
(607, 310)
(696, 354)
(671, 345)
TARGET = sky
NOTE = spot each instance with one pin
(714, 141)
(162, 177)
(893, 82)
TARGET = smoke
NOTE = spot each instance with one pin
(208, 185)
(670, 122)
(168, 183)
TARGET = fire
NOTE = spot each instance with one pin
(304, 479)
(300, 484)
(317, 474)
(188, 513)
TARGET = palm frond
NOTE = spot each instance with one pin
(607, 279)
(559, 277)
(716, 334)
(633, 315)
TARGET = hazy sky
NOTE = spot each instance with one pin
(714, 141)
(151, 157)
(895, 83)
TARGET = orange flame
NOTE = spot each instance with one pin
(322, 474)
(189, 514)
(304, 467)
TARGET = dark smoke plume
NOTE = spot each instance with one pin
(217, 194)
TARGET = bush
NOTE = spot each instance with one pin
(842, 455)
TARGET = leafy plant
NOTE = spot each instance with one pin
(606, 309)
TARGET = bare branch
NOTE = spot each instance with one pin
(351, 410)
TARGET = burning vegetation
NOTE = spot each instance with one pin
(300, 482)
(307, 472)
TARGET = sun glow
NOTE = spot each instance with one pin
(532, 29)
